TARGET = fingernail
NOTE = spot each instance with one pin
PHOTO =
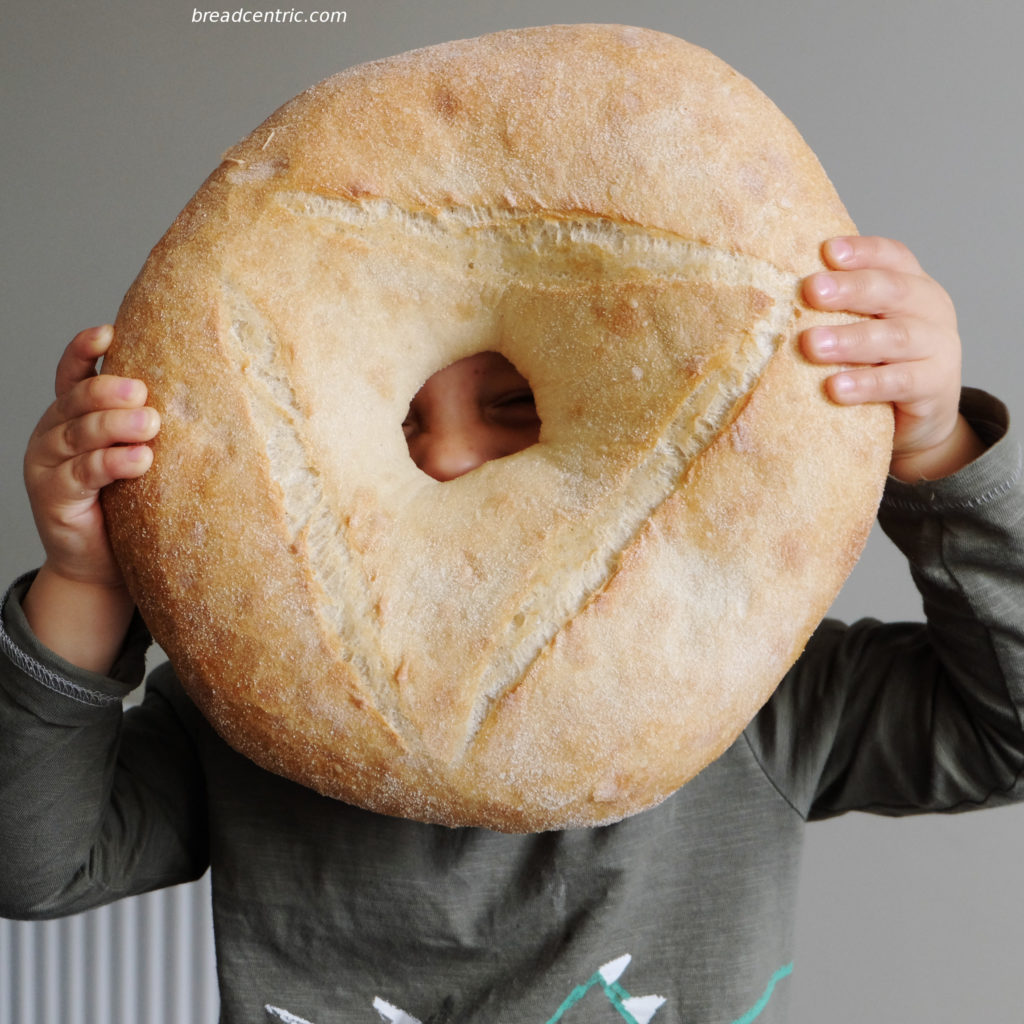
(129, 390)
(825, 286)
(824, 341)
(840, 250)
(843, 384)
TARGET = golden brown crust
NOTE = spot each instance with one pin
(565, 636)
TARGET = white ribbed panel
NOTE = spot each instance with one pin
(146, 960)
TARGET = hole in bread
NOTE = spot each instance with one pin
(472, 411)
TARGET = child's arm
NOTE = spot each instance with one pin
(94, 433)
(94, 804)
(906, 717)
(909, 351)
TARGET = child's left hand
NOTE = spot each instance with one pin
(907, 354)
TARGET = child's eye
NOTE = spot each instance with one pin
(515, 407)
(524, 397)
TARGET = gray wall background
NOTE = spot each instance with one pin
(115, 111)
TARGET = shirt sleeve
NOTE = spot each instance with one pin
(95, 804)
(911, 717)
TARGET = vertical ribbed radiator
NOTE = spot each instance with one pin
(145, 960)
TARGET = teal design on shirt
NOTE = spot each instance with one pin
(632, 1009)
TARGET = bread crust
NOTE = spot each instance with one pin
(565, 636)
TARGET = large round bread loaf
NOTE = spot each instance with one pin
(565, 636)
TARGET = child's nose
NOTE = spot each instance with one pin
(448, 455)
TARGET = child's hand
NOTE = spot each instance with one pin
(909, 352)
(94, 433)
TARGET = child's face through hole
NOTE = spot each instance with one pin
(477, 409)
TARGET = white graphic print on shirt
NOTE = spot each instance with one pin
(632, 1009)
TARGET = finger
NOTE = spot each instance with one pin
(96, 431)
(85, 475)
(869, 341)
(903, 383)
(79, 359)
(93, 395)
(852, 252)
(873, 292)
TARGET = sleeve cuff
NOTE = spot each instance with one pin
(995, 473)
(20, 645)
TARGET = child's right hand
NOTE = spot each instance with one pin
(94, 433)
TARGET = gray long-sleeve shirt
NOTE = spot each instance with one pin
(681, 915)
